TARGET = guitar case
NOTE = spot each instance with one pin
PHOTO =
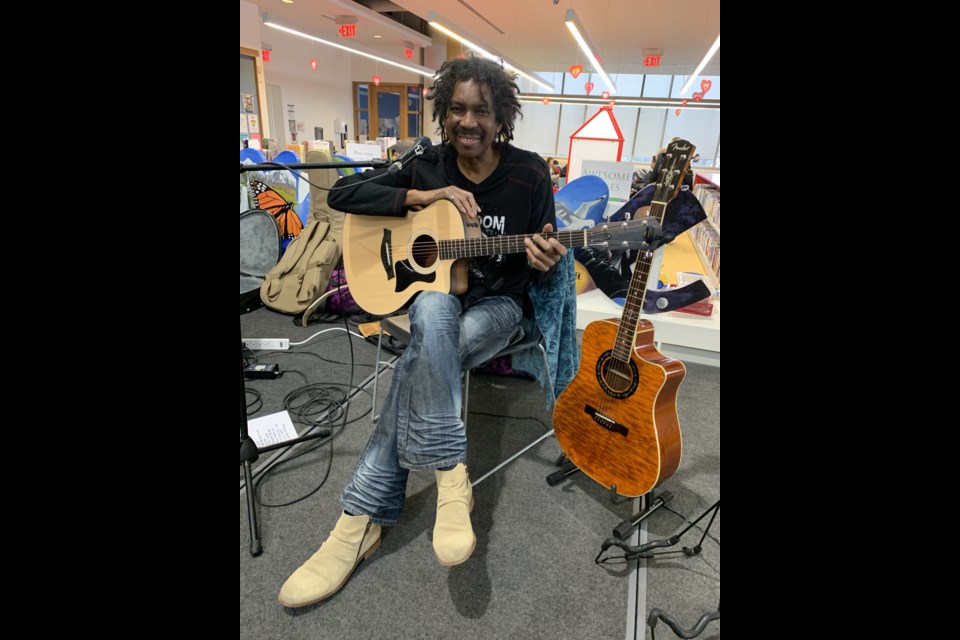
(259, 253)
(580, 204)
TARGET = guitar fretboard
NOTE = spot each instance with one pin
(477, 247)
(633, 304)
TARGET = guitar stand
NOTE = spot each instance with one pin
(646, 551)
(648, 505)
(692, 632)
(567, 469)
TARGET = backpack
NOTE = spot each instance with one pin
(341, 301)
(302, 274)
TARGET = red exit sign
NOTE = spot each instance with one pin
(651, 61)
(348, 31)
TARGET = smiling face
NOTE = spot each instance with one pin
(471, 123)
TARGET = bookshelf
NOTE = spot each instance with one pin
(706, 235)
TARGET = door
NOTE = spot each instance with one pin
(390, 110)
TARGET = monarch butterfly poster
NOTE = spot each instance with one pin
(279, 202)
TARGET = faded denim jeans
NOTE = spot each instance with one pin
(420, 426)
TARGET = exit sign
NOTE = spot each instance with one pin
(651, 61)
(348, 31)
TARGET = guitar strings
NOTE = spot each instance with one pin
(497, 244)
(619, 364)
(489, 245)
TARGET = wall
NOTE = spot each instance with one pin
(249, 25)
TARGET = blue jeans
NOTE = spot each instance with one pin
(420, 426)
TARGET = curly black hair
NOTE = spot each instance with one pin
(483, 72)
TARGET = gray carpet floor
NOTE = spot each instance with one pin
(533, 573)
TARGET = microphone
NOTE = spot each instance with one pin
(418, 149)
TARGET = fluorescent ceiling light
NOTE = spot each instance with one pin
(383, 21)
(652, 103)
(440, 23)
(358, 49)
(703, 63)
(580, 35)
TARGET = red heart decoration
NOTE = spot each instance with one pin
(576, 70)
(588, 87)
(697, 97)
(705, 85)
(605, 95)
(546, 101)
(678, 111)
(684, 103)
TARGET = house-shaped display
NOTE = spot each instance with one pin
(598, 139)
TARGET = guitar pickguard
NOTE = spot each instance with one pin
(407, 275)
(614, 380)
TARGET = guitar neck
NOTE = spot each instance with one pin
(477, 247)
(636, 292)
(679, 153)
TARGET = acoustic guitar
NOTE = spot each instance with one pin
(389, 259)
(617, 420)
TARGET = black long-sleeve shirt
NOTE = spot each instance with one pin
(516, 199)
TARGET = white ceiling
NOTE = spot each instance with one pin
(534, 34)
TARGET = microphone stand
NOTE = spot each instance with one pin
(276, 166)
(249, 451)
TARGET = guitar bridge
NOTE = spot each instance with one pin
(607, 423)
(386, 259)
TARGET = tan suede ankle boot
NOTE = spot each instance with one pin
(351, 541)
(453, 538)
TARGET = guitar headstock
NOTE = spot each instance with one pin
(626, 234)
(675, 165)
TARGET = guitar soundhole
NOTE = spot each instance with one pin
(424, 251)
(616, 377)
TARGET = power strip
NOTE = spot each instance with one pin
(267, 344)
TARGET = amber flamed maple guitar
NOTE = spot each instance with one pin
(617, 420)
(389, 259)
